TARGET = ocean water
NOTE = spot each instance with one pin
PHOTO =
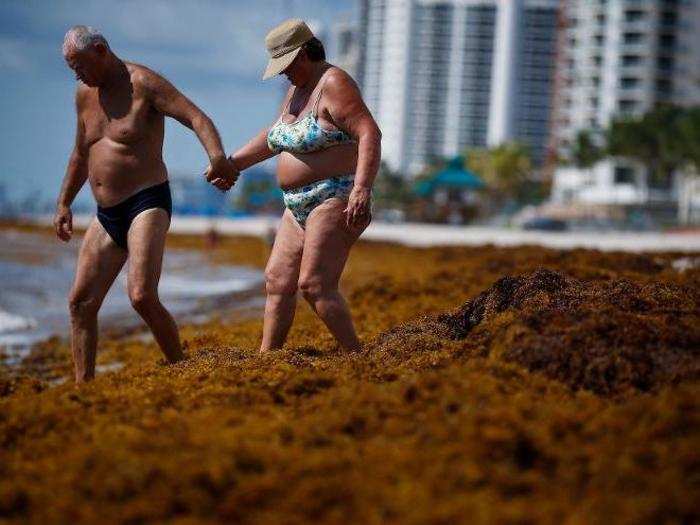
(36, 274)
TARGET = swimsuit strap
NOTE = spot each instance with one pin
(318, 99)
(286, 106)
(315, 107)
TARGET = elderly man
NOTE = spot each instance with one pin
(118, 148)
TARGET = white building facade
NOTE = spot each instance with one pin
(346, 46)
(620, 57)
(444, 75)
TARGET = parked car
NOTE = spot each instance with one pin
(545, 224)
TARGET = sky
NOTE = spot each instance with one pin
(213, 51)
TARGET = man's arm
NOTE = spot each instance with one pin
(169, 101)
(349, 112)
(76, 175)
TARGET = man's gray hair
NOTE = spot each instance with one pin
(79, 38)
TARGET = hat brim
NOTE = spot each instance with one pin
(276, 65)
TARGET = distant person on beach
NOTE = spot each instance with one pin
(120, 110)
(329, 151)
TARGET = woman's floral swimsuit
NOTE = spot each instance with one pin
(307, 136)
(302, 201)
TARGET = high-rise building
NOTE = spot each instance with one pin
(620, 58)
(443, 75)
(346, 47)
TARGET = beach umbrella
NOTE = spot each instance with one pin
(453, 176)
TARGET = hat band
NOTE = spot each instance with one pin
(278, 52)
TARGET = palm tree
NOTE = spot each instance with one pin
(585, 152)
(689, 137)
(652, 139)
(506, 169)
(392, 190)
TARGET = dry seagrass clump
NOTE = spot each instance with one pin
(607, 336)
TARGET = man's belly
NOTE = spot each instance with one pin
(117, 171)
(294, 170)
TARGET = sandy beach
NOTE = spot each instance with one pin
(431, 235)
(499, 384)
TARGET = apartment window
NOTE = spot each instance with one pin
(663, 85)
(669, 18)
(595, 81)
(629, 82)
(597, 60)
(665, 63)
(667, 40)
(624, 175)
(600, 19)
(599, 40)
(633, 38)
(634, 15)
(631, 60)
(594, 101)
(627, 106)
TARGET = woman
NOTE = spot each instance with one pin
(329, 152)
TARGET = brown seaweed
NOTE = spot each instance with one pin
(564, 389)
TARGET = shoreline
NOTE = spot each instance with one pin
(39, 358)
(194, 297)
(436, 235)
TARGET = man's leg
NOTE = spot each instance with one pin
(146, 244)
(99, 262)
(281, 276)
(326, 248)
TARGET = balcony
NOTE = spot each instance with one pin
(628, 93)
(639, 71)
(640, 49)
(637, 26)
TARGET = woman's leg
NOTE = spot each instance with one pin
(327, 244)
(281, 276)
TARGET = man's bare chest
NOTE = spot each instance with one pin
(123, 120)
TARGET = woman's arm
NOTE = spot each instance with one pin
(349, 112)
(256, 150)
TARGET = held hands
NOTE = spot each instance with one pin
(358, 212)
(222, 173)
(63, 222)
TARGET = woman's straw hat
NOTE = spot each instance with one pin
(284, 43)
